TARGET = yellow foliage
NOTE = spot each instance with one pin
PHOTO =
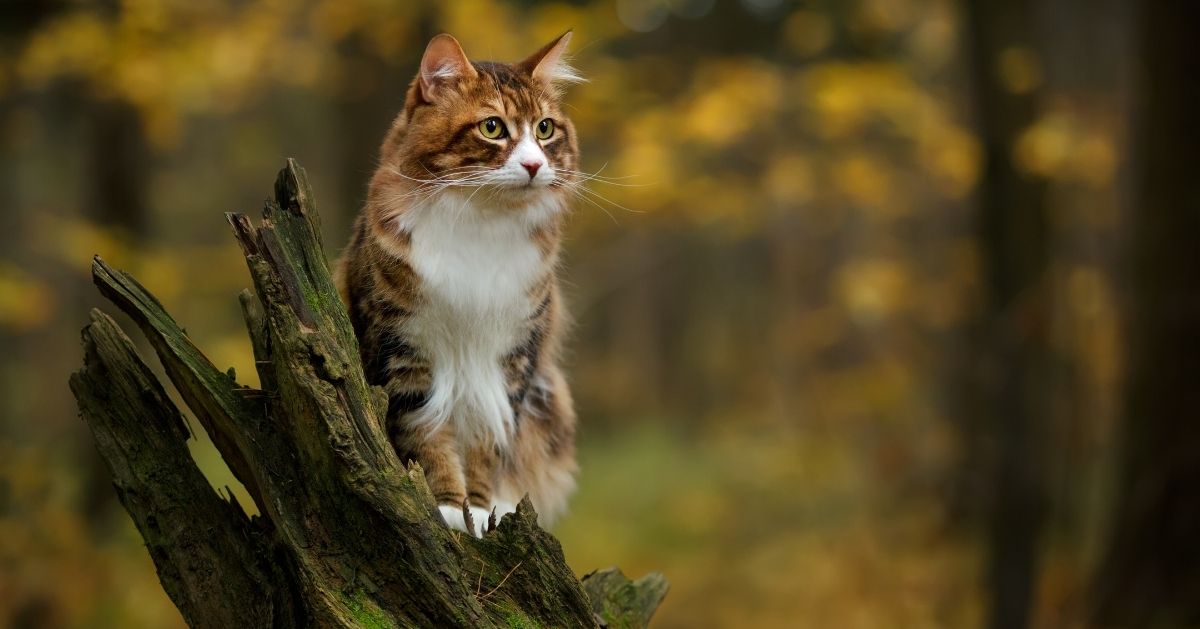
(790, 179)
(934, 40)
(1043, 148)
(1094, 159)
(53, 565)
(63, 240)
(332, 20)
(731, 97)
(882, 15)
(953, 156)
(76, 44)
(808, 32)
(728, 200)
(866, 181)
(1061, 145)
(1019, 70)
(487, 30)
(25, 301)
(873, 289)
(846, 96)
(819, 329)
(803, 216)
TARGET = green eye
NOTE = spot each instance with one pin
(492, 128)
(545, 129)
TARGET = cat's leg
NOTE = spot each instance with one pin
(482, 465)
(438, 455)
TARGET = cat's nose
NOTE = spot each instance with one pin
(532, 167)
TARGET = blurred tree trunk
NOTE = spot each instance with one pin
(788, 271)
(372, 91)
(119, 169)
(118, 160)
(1150, 574)
(17, 20)
(1012, 385)
(349, 536)
(638, 314)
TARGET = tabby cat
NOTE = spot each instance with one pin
(450, 281)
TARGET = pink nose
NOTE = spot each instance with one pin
(532, 167)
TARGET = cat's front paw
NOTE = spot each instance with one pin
(453, 515)
(479, 517)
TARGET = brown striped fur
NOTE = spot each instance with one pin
(394, 304)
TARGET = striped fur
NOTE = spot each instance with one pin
(450, 282)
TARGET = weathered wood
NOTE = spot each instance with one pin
(349, 536)
(212, 395)
(214, 562)
(623, 604)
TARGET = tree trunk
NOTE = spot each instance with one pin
(1149, 576)
(348, 536)
(118, 175)
(1013, 380)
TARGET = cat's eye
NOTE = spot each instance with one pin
(492, 128)
(545, 129)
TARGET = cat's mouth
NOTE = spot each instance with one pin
(525, 190)
(524, 187)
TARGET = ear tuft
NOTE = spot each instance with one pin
(550, 65)
(444, 63)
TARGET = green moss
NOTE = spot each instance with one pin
(518, 621)
(314, 300)
(366, 613)
(514, 618)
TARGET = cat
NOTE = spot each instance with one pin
(450, 280)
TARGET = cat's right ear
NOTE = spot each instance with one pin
(444, 64)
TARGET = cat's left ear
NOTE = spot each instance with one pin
(549, 65)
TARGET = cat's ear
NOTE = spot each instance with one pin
(444, 63)
(549, 65)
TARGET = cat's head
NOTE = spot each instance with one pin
(498, 125)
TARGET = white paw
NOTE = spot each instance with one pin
(480, 517)
(453, 516)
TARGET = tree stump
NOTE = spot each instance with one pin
(348, 536)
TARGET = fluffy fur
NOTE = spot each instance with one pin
(450, 281)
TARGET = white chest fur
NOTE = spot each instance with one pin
(476, 267)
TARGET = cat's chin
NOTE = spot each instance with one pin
(530, 204)
(521, 195)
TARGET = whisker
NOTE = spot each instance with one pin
(595, 175)
(585, 178)
(449, 176)
(589, 191)
(602, 208)
(584, 192)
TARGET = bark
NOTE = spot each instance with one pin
(1149, 575)
(348, 536)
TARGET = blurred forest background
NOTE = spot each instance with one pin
(893, 322)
